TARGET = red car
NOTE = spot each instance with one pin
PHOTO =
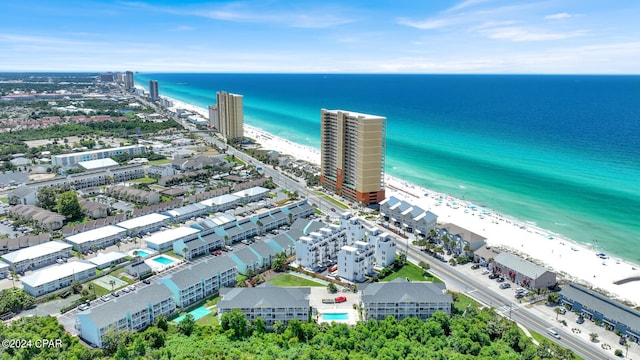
(341, 299)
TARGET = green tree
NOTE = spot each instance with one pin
(162, 323)
(236, 324)
(259, 326)
(47, 197)
(331, 287)
(187, 325)
(553, 298)
(67, 205)
(280, 262)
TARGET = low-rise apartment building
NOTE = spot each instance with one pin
(144, 224)
(164, 240)
(270, 303)
(201, 280)
(45, 281)
(523, 272)
(131, 312)
(37, 256)
(75, 158)
(401, 299)
(99, 238)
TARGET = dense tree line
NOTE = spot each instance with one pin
(472, 335)
(15, 300)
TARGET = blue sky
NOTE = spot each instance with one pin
(329, 36)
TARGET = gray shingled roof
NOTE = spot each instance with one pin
(192, 274)
(609, 308)
(400, 290)
(304, 227)
(464, 233)
(262, 249)
(264, 296)
(520, 265)
(104, 314)
(246, 256)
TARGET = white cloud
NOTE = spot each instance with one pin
(466, 4)
(558, 16)
(428, 24)
(518, 34)
(182, 28)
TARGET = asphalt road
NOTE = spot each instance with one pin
(444, 271)
(516, 312)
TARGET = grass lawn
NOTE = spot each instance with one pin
(4, 200)
(411, 271)
(238, 161)
(145, 180)
(462, 301)
(211, 302)
(292, 280)
(331, 200)
(208, 320)
(159, 162)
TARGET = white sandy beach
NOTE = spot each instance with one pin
(572, 261)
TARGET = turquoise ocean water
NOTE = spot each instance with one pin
(562, 152)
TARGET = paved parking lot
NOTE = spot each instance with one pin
(320, 293)
(607, 340)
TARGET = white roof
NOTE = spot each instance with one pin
(170, 235)
(36, 251)
(218, 200)
(143, 221)
(46, 276)
(96, 234)
(96, 164)
(256, 190)
(3, 265)
(107, 258)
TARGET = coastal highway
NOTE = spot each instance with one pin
(450, 275)
(516, 312)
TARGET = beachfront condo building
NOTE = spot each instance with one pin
(128, 80)
(352, 158)
(153, 90)
(213, 117)
(230, 115)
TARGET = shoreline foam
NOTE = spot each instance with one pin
(571, 260)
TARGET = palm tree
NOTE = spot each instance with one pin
(259, 223)
(593, 336)
(184, 252)
(557, 311)
(112, 283)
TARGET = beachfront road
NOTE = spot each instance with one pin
(450, 275)
(505, 306)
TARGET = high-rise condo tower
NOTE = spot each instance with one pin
(153, 90)
(352, 155)
(230, 115)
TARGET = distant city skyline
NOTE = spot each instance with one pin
(407, 36)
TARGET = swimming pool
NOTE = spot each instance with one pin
(163, 260)
(335, 317)
(196, 313)
(142, 253)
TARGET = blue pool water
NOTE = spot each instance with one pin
(196, 313)
(142, 253)
(335, 317)
(163, 260)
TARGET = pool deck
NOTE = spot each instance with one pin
(319, 293)
(159, 267)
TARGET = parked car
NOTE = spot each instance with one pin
(500, 279)
(505, 286)
(146, 281)
(475, 266)
(83, 307)
(493, 276)
(341, 299)
(217, 252)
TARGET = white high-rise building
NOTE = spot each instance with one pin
(213, 117)
(354, 262)
(320, 246)
(353, 226)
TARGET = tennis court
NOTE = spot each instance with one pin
(105, 282)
